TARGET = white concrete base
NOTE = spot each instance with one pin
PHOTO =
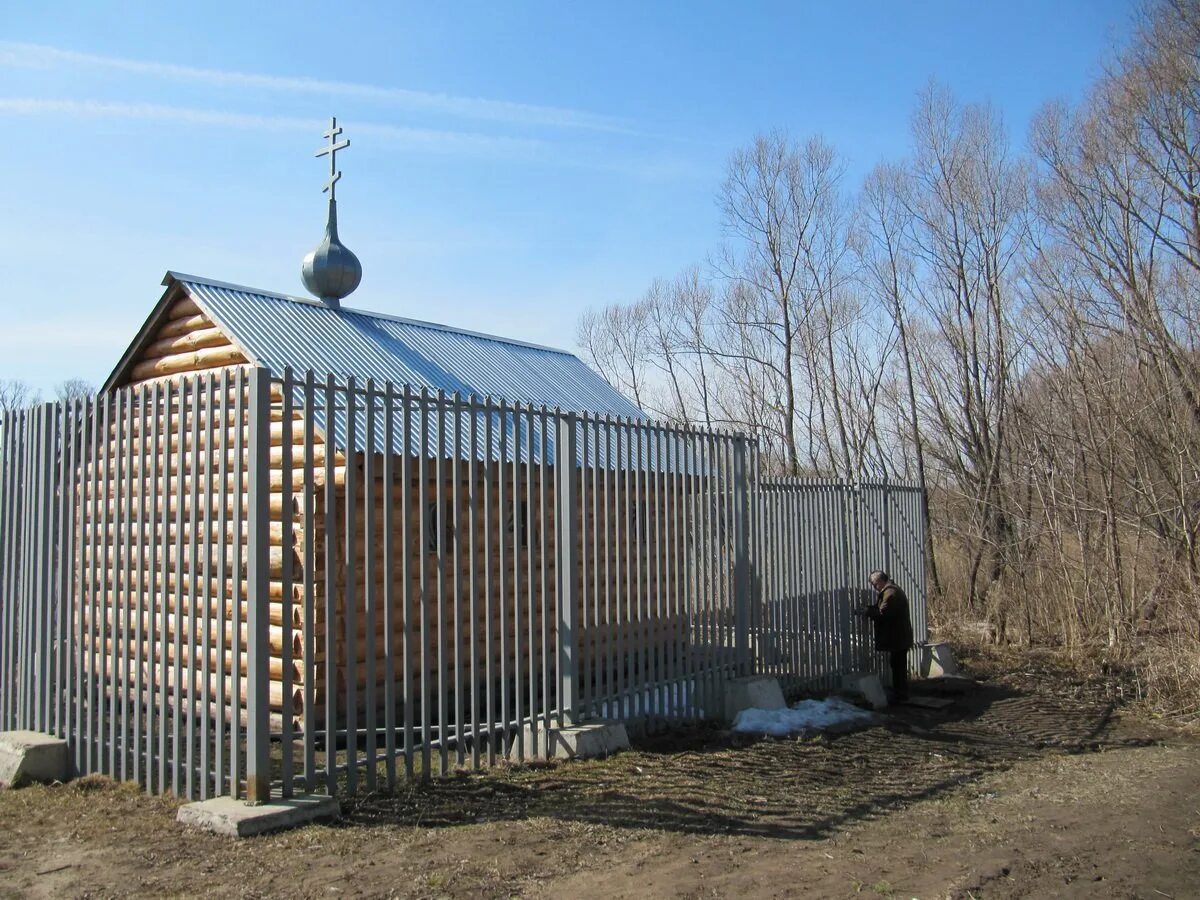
(29, 756)
(867, 685)
(752, 692)
(936, 659)
(236, 818)
(595, 740)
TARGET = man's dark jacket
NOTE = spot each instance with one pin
(893, 627)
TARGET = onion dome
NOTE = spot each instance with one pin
(330, 270)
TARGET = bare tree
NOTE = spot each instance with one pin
(786, 258)
(1022, 334)
(15, 395)
(969, 204)
(74, 388)
(890, 272)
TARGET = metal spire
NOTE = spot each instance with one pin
(330, 271)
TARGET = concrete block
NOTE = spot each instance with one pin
(237, 818)
(29, 756)
(595, 740)
(752, 692)
(867, 685)
(937, 659)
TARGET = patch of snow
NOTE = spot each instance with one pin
(807, 715)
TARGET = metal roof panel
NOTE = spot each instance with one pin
(281, 332)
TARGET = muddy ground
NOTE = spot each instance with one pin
(1033, 784)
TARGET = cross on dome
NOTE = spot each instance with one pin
(330, 271)
(331, 150)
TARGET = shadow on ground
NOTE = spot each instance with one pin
(707, 781)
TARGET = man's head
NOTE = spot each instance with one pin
(879, 579)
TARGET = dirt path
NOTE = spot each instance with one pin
(1014, 791)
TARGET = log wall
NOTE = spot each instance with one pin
(635, 600)
(142, 577)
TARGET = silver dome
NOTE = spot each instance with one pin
(330, 270)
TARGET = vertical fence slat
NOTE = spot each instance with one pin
(310, 582)
(329, 517)
(389, 583)
(567, 498)
(350, 586)
(287, 470)
(442, 533)
(82, 494)
(206, 702)
(224, 659)
(407, 507)
(490, 466)
(473, 498)
(139, 616)
(422, 511)
(456, 563)
(370, 594)
(502, 596)
(522, 642)
(258, 700)
(241, 410)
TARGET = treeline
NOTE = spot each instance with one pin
(1016, 329)
(16, 394)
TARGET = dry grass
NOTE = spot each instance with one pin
(696, 813)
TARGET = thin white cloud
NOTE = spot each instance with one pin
(22, 55)
(424, 139)
(20, 340)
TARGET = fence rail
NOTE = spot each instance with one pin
(244, 583)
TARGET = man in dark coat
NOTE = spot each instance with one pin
(893, 628)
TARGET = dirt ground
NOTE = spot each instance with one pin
(1030, 785)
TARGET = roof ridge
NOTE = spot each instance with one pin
(367, 313)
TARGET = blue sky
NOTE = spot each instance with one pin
(510, 164)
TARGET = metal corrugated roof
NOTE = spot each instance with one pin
(278, 331)
(436, 427)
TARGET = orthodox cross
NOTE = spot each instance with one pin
(331, 150)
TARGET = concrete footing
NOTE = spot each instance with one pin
(29, 756)
(752, 692)
(236, 818)
(867, 685)
(594, 740)
(936, 659)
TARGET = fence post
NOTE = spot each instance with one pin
(741, 559)
(886, 521)
(45, 570)
(922, 513)
(566, 501)
(6, 593)
(851, 528)
(258, 549)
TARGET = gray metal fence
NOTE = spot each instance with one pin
(816, 542)
(122, 604)
(239, 583)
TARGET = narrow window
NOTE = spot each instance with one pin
(439, 528)
(525, 526)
